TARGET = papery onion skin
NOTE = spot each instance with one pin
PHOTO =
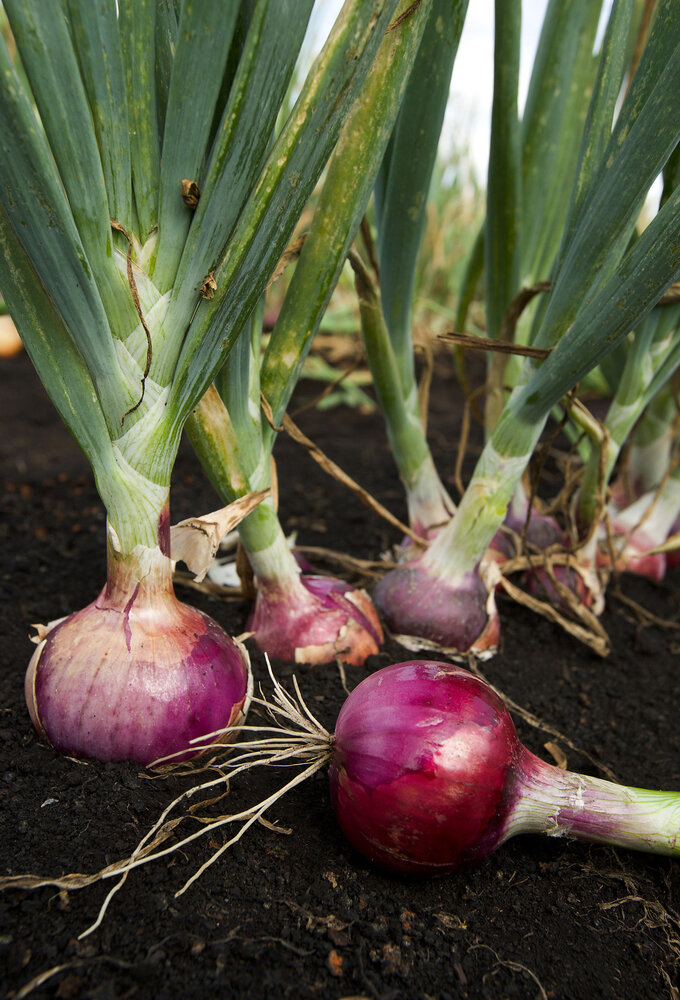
(422, 768)
(314, 619)
(136, 675)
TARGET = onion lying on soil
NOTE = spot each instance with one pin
(427, 774)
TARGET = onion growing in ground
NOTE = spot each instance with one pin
(314, 619)
(301, 617)
(136, 675)
(297, 615)
(563, 198)
(129, 299)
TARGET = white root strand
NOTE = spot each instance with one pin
(309, 743)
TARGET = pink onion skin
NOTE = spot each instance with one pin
(422, 774)
(460, 616)
(136, 675)
(315, 619)
(537, 582)
(542, 531)
(673, 557)
(635, 557)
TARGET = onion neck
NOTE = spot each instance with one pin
(429, 505)
(269, 554)
(565, 804)
(458, 549)
(139, 571)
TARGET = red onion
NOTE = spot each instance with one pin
(673, 556)
(427, 774)
(136, 675)
(313, 619)
(426, 609)
(633, 555)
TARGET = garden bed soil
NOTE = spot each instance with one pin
(299, 914)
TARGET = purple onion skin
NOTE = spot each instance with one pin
(537, 582)
(136, 675)
(427, 775)
(454, 616)
(423, 771)
(314, 620)
(542, 531)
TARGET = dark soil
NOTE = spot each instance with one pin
(302, 915)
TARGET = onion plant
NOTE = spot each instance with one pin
(603, 285)
(298, 615)
(401, 194)
(386, 318)
(554, 112)
(143, 208)
(642, 417)
(642, 397)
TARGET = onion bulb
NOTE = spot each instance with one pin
(314, 619)
(428, 609)
(136, 675)
(427, 774)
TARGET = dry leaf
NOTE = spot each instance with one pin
(190, 193)
(195, 540)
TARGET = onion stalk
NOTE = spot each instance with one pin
(129, 300)
(299, 616)
(603, 285)
(400, 199)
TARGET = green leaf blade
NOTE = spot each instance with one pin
(203, 38)
(35, 206)
(46, 48)
(272, 44)
(405, 176)
(97, 40)
(137, 25)
(51, 349)
(339, 210)
(503, 199)
(266, 222)
(644, 274)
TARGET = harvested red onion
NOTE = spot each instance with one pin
(427, 774)
(313, 619)
(136, 675)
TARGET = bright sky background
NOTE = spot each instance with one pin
(468, 115)
(467, 118)
(467, 122)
